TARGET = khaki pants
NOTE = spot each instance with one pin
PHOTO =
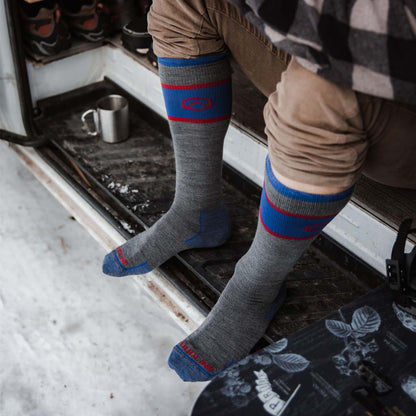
(319, 133)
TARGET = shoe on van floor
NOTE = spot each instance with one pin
(135, 36)
(85, 19)
(44, 32)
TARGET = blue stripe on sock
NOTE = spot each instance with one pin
(290, 225)
(303, 196)
(286, 226)
(204, 103)
(202, 60)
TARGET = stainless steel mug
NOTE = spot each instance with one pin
(111, 119)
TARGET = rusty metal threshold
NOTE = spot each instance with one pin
(131, 185)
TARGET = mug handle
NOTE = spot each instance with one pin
(85, 123)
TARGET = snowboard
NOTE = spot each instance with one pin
(360, 360)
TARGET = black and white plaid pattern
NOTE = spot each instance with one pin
(366, 45)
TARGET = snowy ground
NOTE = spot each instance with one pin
(74, 342)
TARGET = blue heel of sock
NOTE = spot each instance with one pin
(113, 267)
(214, 228)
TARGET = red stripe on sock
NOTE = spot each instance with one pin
(287, 237)
(290, 214)
(200, 120)
(194, 86)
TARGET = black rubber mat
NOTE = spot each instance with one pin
(140, 175)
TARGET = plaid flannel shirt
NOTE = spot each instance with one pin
(366, 45)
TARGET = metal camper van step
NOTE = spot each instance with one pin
(132, 184)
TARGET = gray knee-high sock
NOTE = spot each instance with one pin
(197, 95)
(288, 221)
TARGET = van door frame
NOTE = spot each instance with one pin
(13, 74)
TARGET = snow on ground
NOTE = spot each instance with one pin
(74, 342)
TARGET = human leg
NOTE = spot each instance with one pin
(197, 217)
(192, 64)
(318, 143)
(288, 223)
(197, 94)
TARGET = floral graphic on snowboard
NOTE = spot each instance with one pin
(365, 321)
(237, 388)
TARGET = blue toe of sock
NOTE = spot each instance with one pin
(111, 267)
(186, 368)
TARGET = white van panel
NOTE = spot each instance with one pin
(65, 74)
(10, 112)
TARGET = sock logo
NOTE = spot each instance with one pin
(197, 103)
(121, 257)
(314, 228)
